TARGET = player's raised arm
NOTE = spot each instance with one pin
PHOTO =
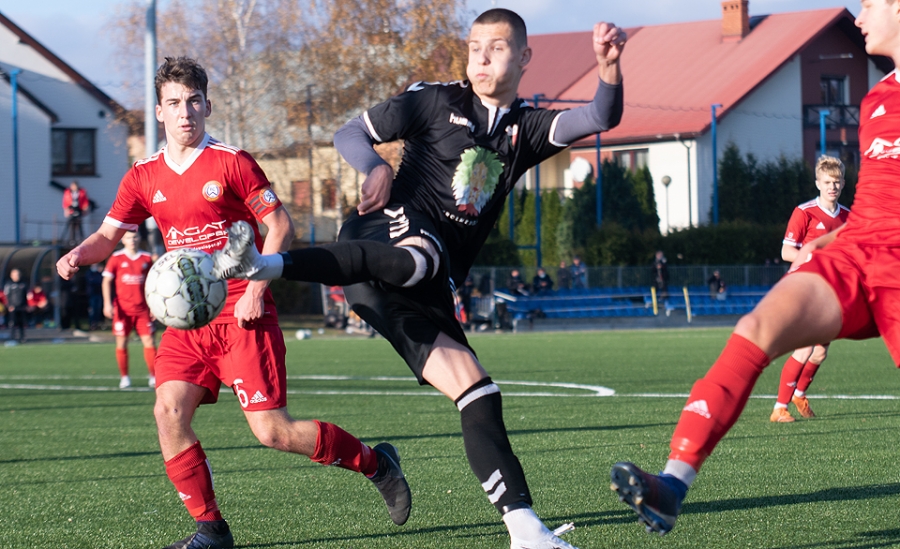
(96, 247)
(356, 145)
(605, 111)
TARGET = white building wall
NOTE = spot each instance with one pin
(671, 159)
(768, 123)
(75, 107)
(34, 163)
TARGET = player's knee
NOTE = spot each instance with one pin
(750, 327)
(819, 355)
(271, 433)
(170, 414)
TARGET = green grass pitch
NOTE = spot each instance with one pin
(80, 467)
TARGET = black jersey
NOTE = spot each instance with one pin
(456, 168)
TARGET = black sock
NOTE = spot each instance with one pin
(487, 447)
(352, 262)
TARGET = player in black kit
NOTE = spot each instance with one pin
(414, 235)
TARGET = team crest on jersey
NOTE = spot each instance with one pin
(267, 197)
(476, 179)
(212, 190)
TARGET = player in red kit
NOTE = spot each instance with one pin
(809, 221)
(127, 270)
(195, 188)
(842, 285)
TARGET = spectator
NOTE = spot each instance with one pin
(465, 298)
(660, 274)
(716, 286)
(75, 204)
(563, 276)
(94, 280)
(516, 285)
(542, 283)
(38, 306)
(579, 273)
(3, 309)
(16, 291)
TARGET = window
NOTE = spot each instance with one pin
(633, 160)
(834, 90)
(73, 152)
(329, 194)
(301, 194)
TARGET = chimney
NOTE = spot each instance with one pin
(735, 20)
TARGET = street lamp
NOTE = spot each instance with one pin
(666, 180)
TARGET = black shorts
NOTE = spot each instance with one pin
(410, 318)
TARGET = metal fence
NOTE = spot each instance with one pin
(488, 279)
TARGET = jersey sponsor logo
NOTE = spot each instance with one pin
(882, 148)
(132, 279)
(212, 190)
(880, 111)
(178, 238)
(476, 179)
(698, 407)
(159, 197)
(399, 223)
(461, 121)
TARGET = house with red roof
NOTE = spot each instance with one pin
(770, 76)
(67, 129)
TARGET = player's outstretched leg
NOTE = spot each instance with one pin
(239, 258)
(655, 498)
(209, 535)
(391, 483)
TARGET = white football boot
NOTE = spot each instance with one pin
(239, 258)
(125, 382)
(534, 534)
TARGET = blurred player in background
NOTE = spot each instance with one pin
(195, 187)
(125, 272)
(414, 237)
(842, 285)
(809, 221)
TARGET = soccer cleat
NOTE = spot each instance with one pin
(550, 541)
(781, 415)
(209, 535)
(655, 498)
(239, 258)
(125, 382)
(802, 404)
(151, 382)
(391, 483)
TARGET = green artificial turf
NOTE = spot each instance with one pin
(80, 466)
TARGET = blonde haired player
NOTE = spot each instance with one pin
(844, 285)
(809, 221)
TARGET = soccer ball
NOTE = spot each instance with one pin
(181, 290)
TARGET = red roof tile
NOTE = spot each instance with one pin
(673, 73)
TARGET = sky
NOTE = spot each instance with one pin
(73, 29)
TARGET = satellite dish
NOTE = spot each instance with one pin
(580, 169)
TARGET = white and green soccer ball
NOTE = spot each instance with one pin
(181, 290)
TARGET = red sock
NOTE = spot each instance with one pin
(335, 446)
(716, 401)
(790, 373)
(809, 372)
(150, 358)
(191, 474)
(122, 360)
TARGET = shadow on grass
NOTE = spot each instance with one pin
(843, 494)
(117, 455)
(583, 429)
(862, 540)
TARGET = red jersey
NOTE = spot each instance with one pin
(193, 203)
(876, 208)
(810, 221)
(129, 274)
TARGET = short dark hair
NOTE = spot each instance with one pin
(181, 70)
(511, 18)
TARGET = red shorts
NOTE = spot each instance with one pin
(123, 323)
(867, 284)
(251, 362)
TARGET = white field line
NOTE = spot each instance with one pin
(584, 391)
